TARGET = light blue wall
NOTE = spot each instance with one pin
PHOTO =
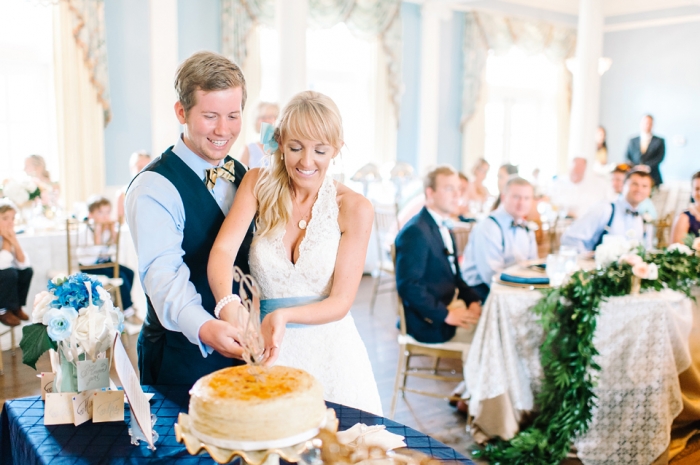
(450, 95)
(199, 26)
(128, 55)
(407, 144)
(654, 70)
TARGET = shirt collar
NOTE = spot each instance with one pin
(625, 205)
(437, 217)
(504, 218)
(191, 159)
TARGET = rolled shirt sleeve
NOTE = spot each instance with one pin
(586, 230)
(156, 218)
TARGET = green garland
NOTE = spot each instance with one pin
(568, 316)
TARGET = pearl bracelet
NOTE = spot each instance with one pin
(223, 302)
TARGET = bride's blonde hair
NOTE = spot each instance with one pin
(309, 115)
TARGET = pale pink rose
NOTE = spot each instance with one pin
(696, 244)
(641, 270)
(631, 259)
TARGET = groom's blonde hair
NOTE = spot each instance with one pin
(207, 71)
(309, 115)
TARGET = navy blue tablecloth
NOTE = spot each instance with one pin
(24, 440)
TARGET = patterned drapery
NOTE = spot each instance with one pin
(87, 17)
(367, 19)
(485, 31)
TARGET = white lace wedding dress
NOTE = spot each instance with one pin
(334, 352)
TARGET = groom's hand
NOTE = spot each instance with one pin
(222, 337)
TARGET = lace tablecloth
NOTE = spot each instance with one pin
(643, 346)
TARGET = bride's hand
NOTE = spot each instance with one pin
(272, 328)
(236, 315)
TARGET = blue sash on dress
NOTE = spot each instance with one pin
(270, 305)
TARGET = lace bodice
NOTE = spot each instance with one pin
(312, 275)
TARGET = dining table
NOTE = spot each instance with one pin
(24, 440)
(643, 343)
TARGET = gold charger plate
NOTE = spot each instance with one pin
(183, 434)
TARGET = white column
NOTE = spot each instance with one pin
(432, 14)
(291, 19)
(164, 62)
(585, 102)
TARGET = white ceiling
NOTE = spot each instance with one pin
(610, 7)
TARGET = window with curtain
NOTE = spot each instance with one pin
(27, 94)
(342, 67)
(521, 114)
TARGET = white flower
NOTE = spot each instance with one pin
(682, 248)
(630, 234)
(646, 217)
(59, 279)
(107, 321)
(696, 244)
(42, 303)
(15, 192)
(653, 272)
(612, 248)
(103, 294)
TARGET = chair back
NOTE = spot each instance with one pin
(461, 232)
(402, 313)
(83, 254)
(386, 222)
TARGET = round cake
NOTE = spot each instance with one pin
(252, 404)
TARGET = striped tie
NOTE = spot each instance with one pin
(225, 172)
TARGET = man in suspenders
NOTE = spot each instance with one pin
(502, 239)
(619, 218)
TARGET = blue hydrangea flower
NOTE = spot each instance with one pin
(60, 322)
(72, 292)
(267, 138)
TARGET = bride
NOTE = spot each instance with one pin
(307, 254)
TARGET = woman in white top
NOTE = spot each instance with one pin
(253, 155)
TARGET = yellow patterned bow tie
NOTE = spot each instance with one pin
(226, 171)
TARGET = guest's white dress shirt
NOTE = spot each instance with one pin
(495, 244)
(585, 232)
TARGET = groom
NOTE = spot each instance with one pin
(174, 209)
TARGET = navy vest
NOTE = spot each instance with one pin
(168, 357)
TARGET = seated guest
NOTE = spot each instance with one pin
(463, 209)
(137, 162)
(15, 273)
(35, 168)
(578, 191)
(505, 172)
(478, 193)
(101, 238)
(688, 222)
(501, 240)
(618, 177)
(619, 218)
(438, 305)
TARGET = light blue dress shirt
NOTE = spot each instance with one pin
(491, 248)
(585, 232)
(156, 218)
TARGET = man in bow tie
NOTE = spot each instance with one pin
(621, 217)
(174, 209)
(501, 240)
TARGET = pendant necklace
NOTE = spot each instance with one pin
(302, 222)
